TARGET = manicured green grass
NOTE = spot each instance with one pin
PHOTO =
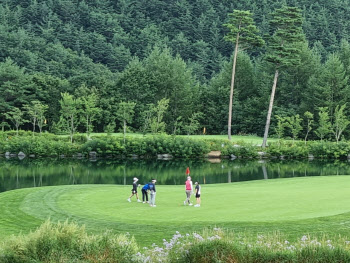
(294, 207)
(256, 140)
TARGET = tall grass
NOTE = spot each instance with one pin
(223, 246)
(69, 242)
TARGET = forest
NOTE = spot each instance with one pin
(167, 61)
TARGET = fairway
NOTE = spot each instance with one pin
(255, 140)
(294, 207)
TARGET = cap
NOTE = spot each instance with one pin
(135, 179)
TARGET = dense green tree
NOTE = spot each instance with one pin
(159, 76)
(309, 121)
(324, 124)
(125, 113)
(14, 84)
(36, 111)
(214, 98)
(340, 122)
(69, 113)
(193, 123)
(16, 116)
(157, 125)
(335, 82)
(48, 90)
(89, 109)
(281, 126)
(294, 123)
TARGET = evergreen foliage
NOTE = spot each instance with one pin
(145, 51)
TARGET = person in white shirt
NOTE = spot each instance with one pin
(189, 191)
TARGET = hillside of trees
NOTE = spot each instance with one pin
(144, 51)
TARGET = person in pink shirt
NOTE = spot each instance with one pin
(189, 191)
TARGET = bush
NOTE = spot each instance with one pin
(104, 146)
(149, 146)
(42, 145)
(68, 242)
(288, 149)
(243, 150)
(216, 144)
(208, 252)
(79, 138)
(329, 150)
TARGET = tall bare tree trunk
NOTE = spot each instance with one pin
(231, 90)
(71, 129)
(268, 119)
(124, 130)
(307, 133)
(87, 127)
(34, 123)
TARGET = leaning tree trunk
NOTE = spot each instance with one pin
(268, 119)
(307, 133)
(231, 90)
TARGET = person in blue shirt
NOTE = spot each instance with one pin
(145, 189)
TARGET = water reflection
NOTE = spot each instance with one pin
(25, 173)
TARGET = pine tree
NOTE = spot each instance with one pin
(283, 51)
(243, 33)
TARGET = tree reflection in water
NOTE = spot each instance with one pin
(25, 173)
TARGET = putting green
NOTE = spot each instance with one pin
(298, 204)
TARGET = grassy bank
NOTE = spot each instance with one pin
(294, 207)
(69, 242)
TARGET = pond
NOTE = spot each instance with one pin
(15, 174)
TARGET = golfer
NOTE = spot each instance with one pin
(198, 194)
(189, 190)
(145, 190)
(134, 190)
(152, 189)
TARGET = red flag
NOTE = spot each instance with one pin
(188, 171)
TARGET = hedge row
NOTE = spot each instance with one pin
(291, 150)
(148, 147)
(47, 145)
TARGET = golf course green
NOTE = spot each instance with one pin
(293, 207)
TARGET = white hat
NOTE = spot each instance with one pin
(135, 179)
(154, 180)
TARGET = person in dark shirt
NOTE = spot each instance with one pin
(134, 190)
(198, 194)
